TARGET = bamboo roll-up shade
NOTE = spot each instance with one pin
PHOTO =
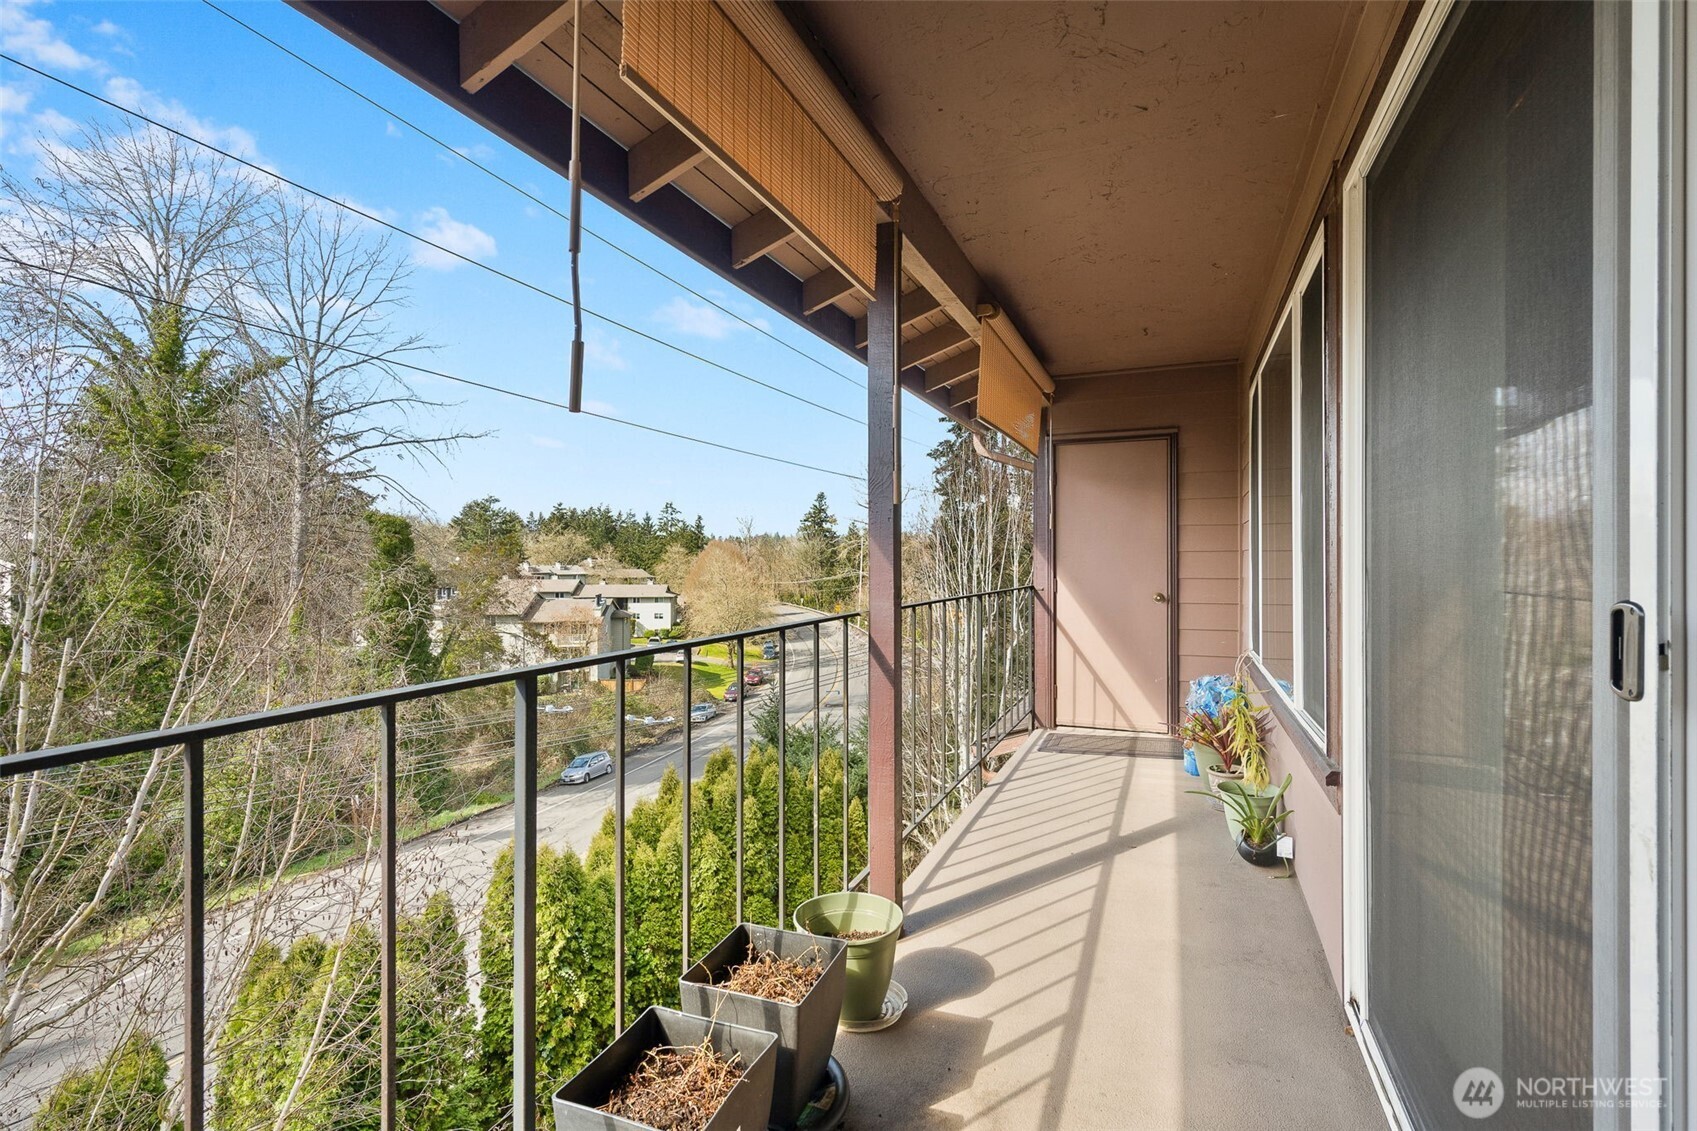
(1011, 383)
(691, 62)
(775, 41)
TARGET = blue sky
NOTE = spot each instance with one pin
(185, 64)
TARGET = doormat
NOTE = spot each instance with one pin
(1125, 744)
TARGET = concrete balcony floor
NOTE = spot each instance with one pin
(1085, 950)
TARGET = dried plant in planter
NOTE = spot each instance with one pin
(857, 936)
(676, 1089)
(769, 975)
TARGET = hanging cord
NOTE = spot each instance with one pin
(574, 400)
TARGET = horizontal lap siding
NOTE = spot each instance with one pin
(1202, 404)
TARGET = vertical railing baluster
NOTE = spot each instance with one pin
(975, 635)
(194, 935)
(524, 902)
(388, 771)
(741, 646)
(783, 758)
(846, 671)
(619, 850)
(817, 709)
(689, 734)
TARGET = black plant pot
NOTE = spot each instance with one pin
(1263, 856)
(806, 1029)
(745, 1108)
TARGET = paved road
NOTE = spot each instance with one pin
(459, 860)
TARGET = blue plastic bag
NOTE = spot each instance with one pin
(1190, 762)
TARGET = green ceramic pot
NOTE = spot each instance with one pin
(1260, 799)
(870, 961)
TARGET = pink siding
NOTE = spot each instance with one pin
(1200, 402)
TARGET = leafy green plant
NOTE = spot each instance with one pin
(1260, 817)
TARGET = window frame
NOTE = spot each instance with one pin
(1312, 272)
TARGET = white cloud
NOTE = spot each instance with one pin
(602, 352)
(456, 235)
(696, 319)
(37, 41)
(108, 28)
(128, 92)
(390, 128)
(545, 441)
(13, 100)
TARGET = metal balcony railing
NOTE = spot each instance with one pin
(968, 667)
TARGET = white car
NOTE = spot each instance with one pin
(585, 767)
(701, 712)
(652, 721)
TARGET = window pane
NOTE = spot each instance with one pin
(1479, 547)
(1277, 625)
(1311, 429)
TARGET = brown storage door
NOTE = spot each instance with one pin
(1113, 568)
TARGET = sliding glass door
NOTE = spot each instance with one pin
(1489, 547)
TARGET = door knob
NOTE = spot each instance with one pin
(1160, 598)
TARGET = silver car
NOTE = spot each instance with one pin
(701, 712)
(586, 766)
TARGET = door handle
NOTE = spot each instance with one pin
(1626, 650)
(1160, 598)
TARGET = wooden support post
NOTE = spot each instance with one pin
(1043, 575)
(884, 569)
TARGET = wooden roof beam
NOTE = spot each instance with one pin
(932, 343)
(916, 304)
(951, 371)
(498, 33)
(822, 290)
(759, 236)
(963, 398)
(659, 159)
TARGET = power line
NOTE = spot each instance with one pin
(532, 197)
(399, 230)
(388, 361)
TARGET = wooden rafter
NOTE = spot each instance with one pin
(498, 33)
(821, 290)
(759, 236)
(659, 159)
(951, 371)
(932, 343)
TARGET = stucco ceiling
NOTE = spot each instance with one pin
(1119, 173)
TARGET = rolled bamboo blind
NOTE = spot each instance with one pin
(688, 59)
(1012, 384)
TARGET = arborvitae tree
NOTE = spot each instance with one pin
(124, 1092)
(574, 905)
(302, 1047)
(400, 590)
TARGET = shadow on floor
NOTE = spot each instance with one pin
(1085, 950)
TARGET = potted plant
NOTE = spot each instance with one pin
(1258, 820)
(871, 925)
(783, 982)
(669, 1062)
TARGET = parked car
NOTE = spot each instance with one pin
(701, 712)
(597, 763)
(769, 650)
(754, 677)
(732, 693)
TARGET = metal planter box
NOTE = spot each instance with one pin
(806, 1030)
(746, 1108)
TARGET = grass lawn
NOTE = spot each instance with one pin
(751, 653)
